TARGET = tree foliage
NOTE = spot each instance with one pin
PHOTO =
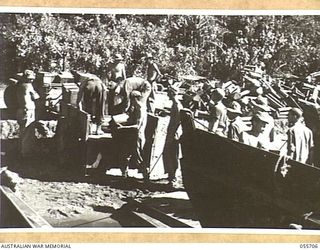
(211, 46)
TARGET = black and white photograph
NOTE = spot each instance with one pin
(189, 120)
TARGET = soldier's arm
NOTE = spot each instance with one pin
(214, 124)
(146, 89)
(290, 145)
(124, 75)
(157, 69)
(311, 150)
(311, 156)
(34, 94)
(214, 119)
(177, 102)
(108, 72)
(80, 95)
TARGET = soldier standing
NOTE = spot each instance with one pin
(218, 122)
(26, 96)
(116, 74)
(171, 146)
(300, 138)
(236, 125)
(153, 74)
(117, 71)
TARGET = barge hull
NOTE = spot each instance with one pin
(233, 185)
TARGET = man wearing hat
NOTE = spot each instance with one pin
(300, 138)
(236, 125)
(255, 137)
(171, 146)
(26, 97)
(218, 120)
(153, 74)
(261, 104)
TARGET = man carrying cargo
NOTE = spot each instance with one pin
(125, 88)
(91, 97)
(130, 135)
(139, 84)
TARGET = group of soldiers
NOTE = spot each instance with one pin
(226, 115)
(130, 99)
(127, 100)
(224, 111)
(114, 94)
(225, 119)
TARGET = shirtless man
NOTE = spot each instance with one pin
(153, 74)
(116, 74)
(26, 96)
(135, 83)
(117, 71)
(91, 97)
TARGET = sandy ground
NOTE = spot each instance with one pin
(101, 201)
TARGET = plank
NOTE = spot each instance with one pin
(27, 214)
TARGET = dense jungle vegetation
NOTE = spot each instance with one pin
(217, 47)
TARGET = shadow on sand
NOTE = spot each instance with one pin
(47, 168)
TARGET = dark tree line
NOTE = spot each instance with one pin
(211, 46)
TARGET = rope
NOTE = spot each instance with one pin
(228, 141)
(200, 123)
(283, 145)
(154, 165)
